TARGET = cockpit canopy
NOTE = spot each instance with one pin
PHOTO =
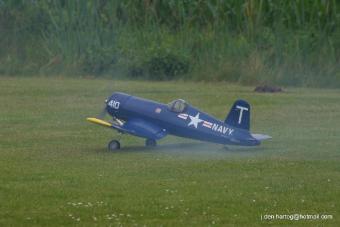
(177, 106)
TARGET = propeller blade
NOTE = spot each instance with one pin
(102, 114)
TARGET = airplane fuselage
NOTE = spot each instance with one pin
(189, 123)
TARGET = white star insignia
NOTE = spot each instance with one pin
(195, 120)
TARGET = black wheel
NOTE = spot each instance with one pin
(113, 145)
(150, 143)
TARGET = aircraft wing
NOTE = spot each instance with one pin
(261, 136)
(99, 121)
(136, 127)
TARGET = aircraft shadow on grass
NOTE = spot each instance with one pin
(188, 148)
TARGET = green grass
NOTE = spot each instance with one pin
(54, 166)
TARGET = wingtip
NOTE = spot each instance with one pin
(98, 121)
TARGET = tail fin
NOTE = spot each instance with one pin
(239, 115)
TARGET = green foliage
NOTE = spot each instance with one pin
(247, 41)
(20, 28)
(167, 66)
(81, 34)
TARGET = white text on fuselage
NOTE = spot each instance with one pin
(114, 104)
(194, 121)
(222, 129)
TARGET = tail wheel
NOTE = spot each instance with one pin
(113, 145)
(150, 143)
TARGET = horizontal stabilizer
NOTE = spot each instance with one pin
(261, 136)
(99, 121)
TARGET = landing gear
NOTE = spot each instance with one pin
(150, 143)
(113, 145)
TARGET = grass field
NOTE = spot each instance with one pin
(55, 169)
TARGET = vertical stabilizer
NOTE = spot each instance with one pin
(239, 115)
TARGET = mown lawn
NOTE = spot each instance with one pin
(55, 169)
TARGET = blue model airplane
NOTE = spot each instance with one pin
(153, 121)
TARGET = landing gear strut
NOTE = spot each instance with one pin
(150, 143)
(113, 145)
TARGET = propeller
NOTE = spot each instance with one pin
(104, 112)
